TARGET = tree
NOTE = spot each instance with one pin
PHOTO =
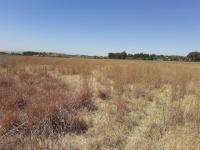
(122, 55)
(193, 56)
(30, 53)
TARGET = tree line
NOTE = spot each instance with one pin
(192, 56)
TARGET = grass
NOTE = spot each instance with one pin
(72, 103)
(38, 104)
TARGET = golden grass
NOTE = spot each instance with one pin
(73, 103)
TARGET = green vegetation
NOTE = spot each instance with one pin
(122, 55)
(193, 56)
(143, 56)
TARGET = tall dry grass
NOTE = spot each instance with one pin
(39, 105)
(113, 104)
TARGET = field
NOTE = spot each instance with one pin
(97, 104)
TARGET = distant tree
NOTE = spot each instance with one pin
(3, 53)
(122, 55)
(43, 54)
(111, 55)
(30, 53)
(193, 56)
(144, 56)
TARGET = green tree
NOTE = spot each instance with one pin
(193, 56)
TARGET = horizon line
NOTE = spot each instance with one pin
(78, 54)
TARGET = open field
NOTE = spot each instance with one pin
(91, 104)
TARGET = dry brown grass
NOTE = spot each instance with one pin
(38, 104)
(73, 103)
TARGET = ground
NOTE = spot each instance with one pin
(72, 103)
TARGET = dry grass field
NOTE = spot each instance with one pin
(90, 104)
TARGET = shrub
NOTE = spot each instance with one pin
(42, 105)
(103, 94)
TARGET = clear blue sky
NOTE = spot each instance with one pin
(97, 27)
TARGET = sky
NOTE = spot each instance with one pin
(96, 27)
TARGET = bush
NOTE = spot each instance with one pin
(42, 105)
(103, 94)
